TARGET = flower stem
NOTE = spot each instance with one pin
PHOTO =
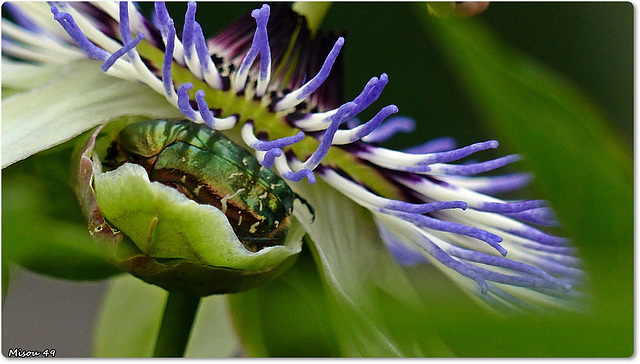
(177, 321)
(314, 11)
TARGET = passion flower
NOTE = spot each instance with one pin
(266, 81)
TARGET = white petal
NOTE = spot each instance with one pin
(25, 76)
(79, 98)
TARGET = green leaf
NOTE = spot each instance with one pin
(39, 118)
(42, 227)
(376, 311)
(130, 316)
(580, 167)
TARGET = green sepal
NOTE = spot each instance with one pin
(165, 224)
(164, 238)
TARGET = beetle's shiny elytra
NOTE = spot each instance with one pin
(211, 169)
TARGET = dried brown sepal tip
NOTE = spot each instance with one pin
(457, 9)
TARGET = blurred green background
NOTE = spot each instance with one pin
(437, 78)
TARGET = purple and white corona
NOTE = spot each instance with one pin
(271, 83)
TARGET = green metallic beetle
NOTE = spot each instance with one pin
(209, 168)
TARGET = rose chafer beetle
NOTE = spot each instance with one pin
(209, 168)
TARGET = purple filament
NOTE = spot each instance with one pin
(277, 143)
(424, 208)
(338, 118)
(372, 124)
(444, 258)
(167, 61)
(483, 258)
(162, 16)
(183, 101)
(471, 169)
(204, 109)
(372, 90)
(307, 89)
(120, 52)
(541, 216)
(201, 46)
(125, 31)
(270, 157)
(21, 18)
(511, 207)
(299, 175)
(452, 155)
(262, 39)
(504, 183)
(435, 224)
(538, 236)
(403, 253)
(70, 26)
(189, 28)
(432, 146)
(259, 45)
(391, 127)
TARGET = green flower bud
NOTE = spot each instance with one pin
(159, 233)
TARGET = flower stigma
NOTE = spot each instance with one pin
(274, 84)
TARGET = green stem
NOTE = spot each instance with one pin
(177, 322)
